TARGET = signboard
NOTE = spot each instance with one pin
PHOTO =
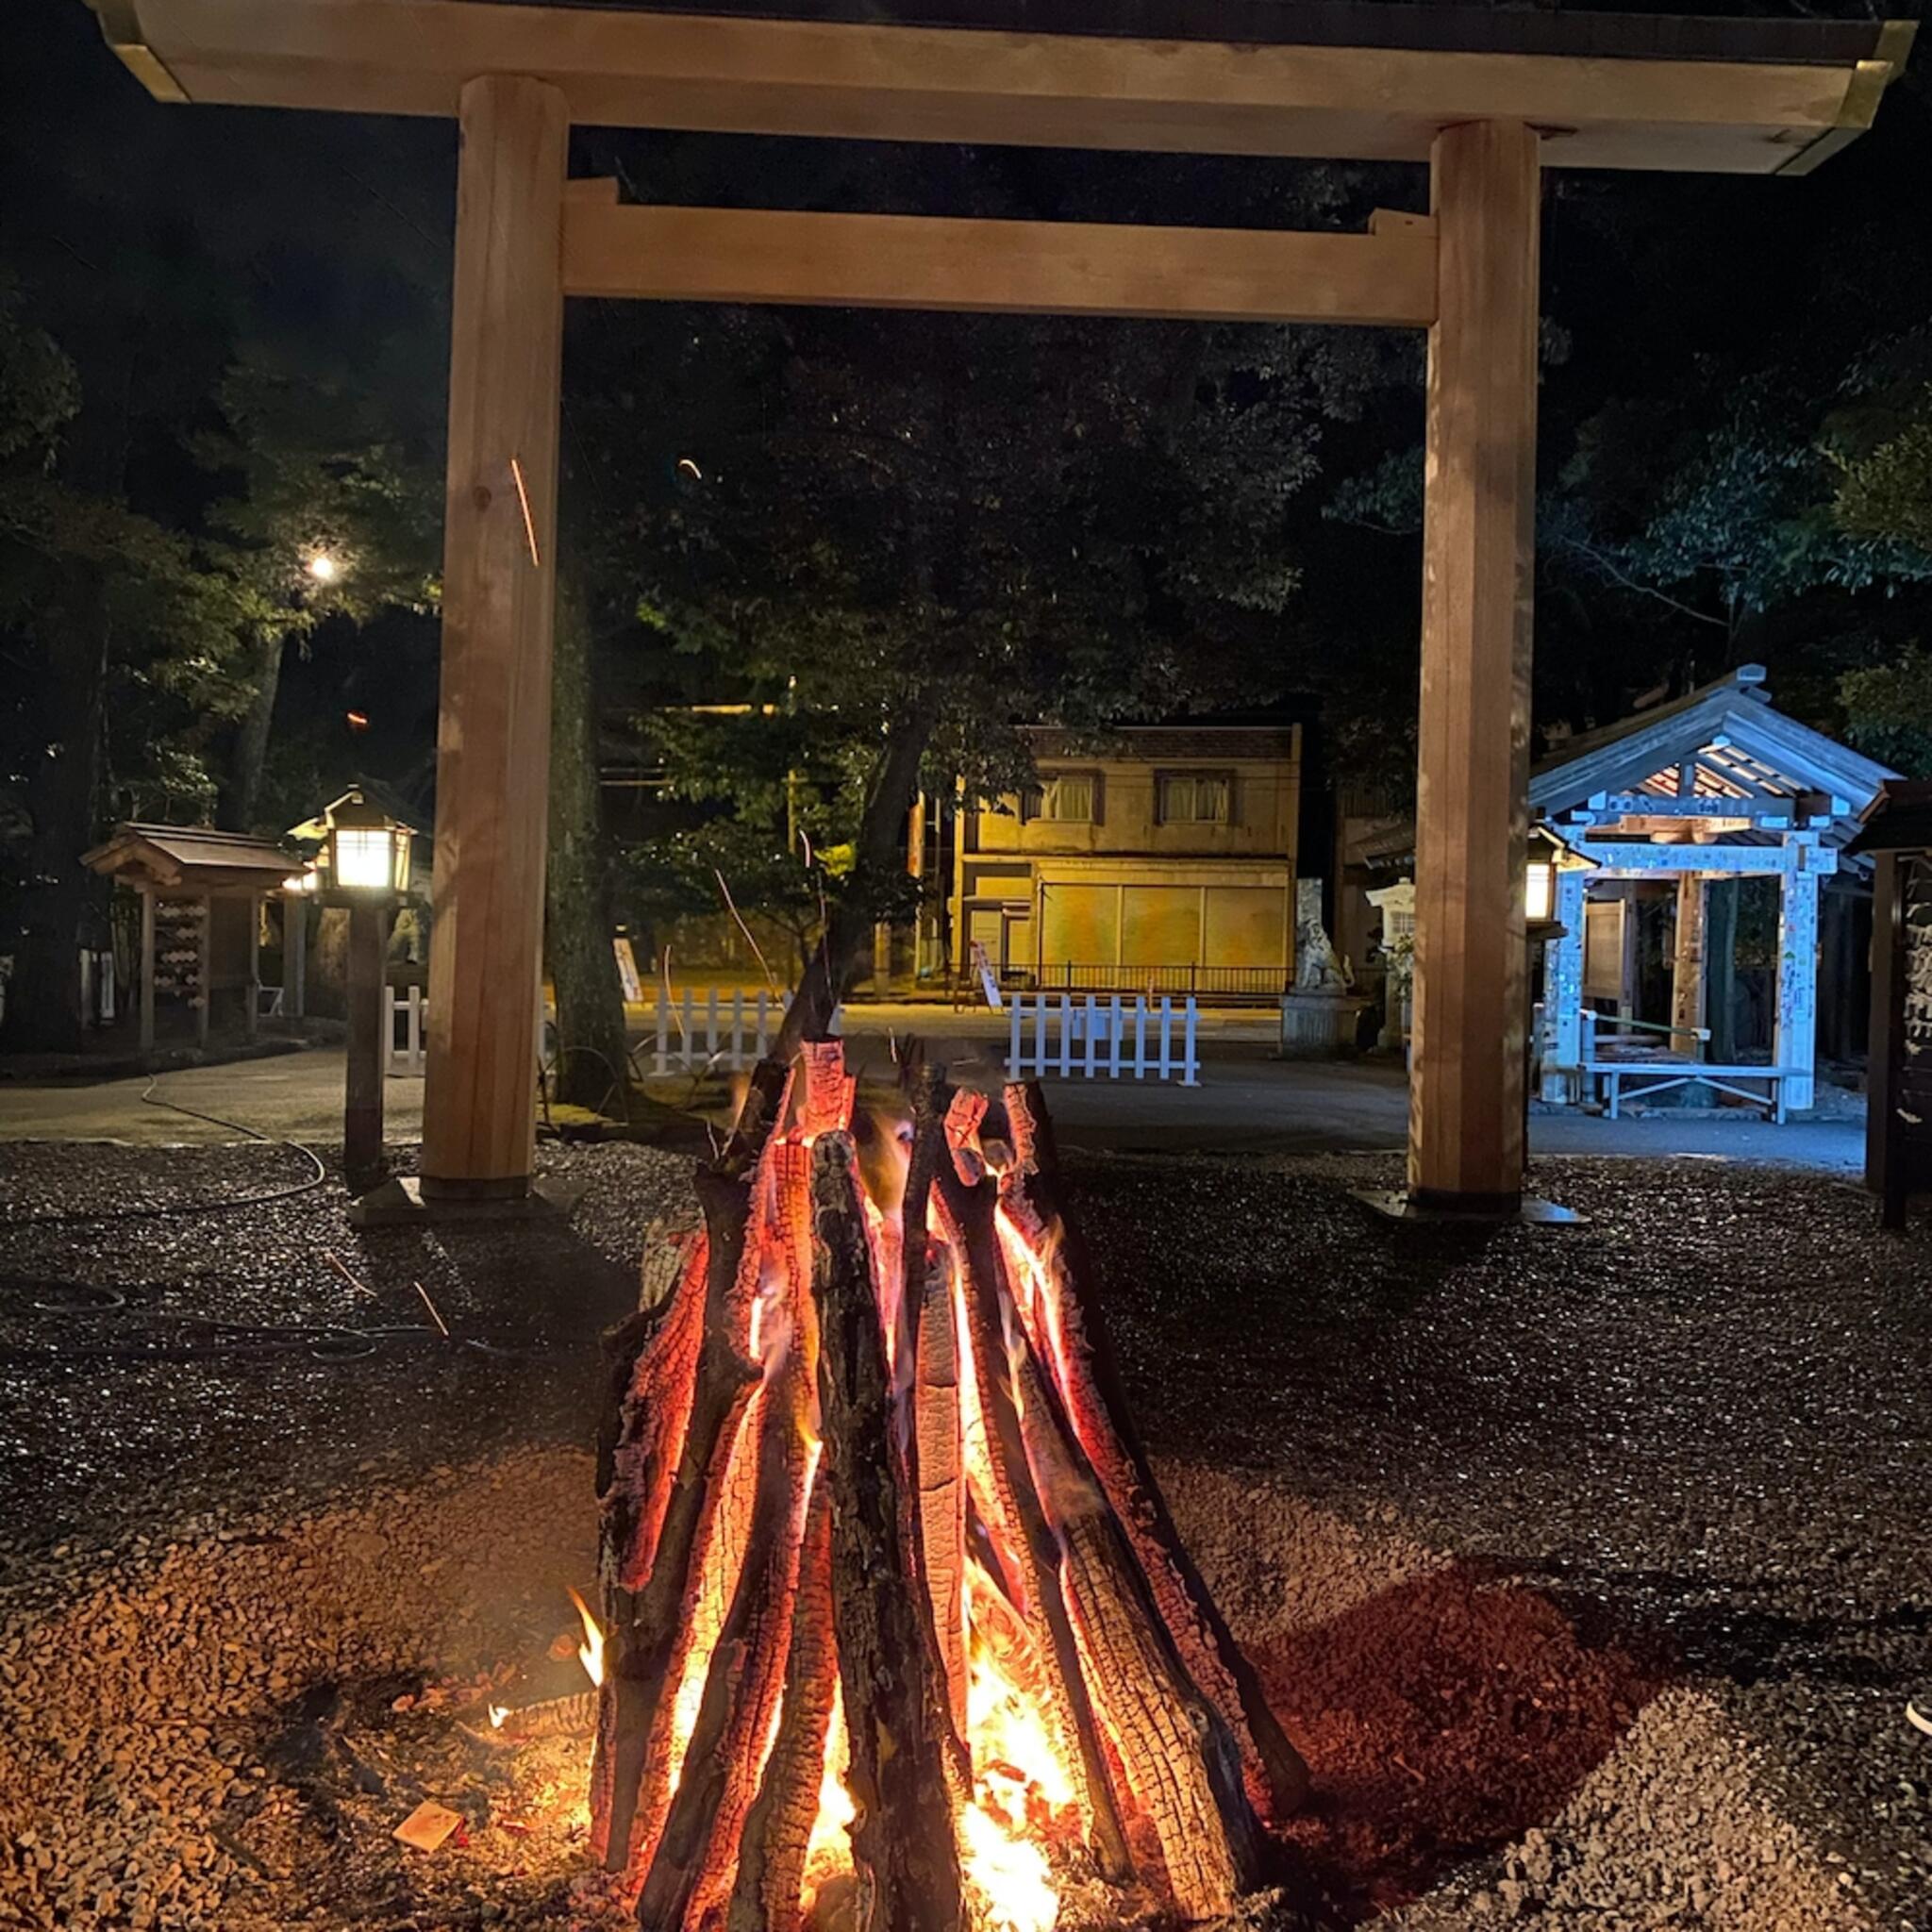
(627, 967)
(988, 978)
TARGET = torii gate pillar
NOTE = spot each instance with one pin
(499, 593)
(1466, 1098)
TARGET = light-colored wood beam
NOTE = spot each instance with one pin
(499, 593)
(1020, 268)
(880, 81)
(1466, 1113)
(1687, 966)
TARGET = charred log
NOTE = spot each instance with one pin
(768, 1895)
(1090, 1373)
(901, 1839)
(968, 1211)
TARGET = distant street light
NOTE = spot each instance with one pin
(324, 567)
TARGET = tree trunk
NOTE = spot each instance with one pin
(591, 1069)
(241, 796)
(43, 996)
(880, 856)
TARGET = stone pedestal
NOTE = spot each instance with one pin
(1319, 1025)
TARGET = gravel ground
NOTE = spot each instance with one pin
(1589, 1568)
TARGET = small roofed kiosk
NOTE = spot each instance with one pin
(1716, 786)
(1485, 99)
(217, 879)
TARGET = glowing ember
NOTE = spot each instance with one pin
(591, 1651)
(1006, 1877)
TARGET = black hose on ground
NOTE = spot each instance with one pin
(150, 1098)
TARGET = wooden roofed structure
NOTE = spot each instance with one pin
(1717, 785)
(225, 876)
(1486, 98)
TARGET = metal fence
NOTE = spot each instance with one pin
(1102, 1039)
(1257, 983)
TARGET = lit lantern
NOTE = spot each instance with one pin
(366, 852)
(1548, 856)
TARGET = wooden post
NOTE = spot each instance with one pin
(1886, 1158)
(1687, 968)
(205, 970)
(1795, 1042)
(251, 1019)
(1721, 968)
(498, 599)
(1465, 1138)
(147, 969)
(368, 1050)
(1563, 992)
(294, 955)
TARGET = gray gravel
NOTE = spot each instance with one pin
(1673, 1467)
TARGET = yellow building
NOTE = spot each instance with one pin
(1165, 865)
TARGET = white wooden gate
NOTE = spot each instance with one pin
(1102, 1036)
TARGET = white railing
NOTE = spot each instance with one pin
(404, 1055)
(725, 1032)
(1107, 1039)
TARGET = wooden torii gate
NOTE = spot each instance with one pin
(1487, 99)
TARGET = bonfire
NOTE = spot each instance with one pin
(896, 1633)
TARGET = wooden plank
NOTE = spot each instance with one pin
(1687, 965)
(1634, 860)
(1020, 268)
(205, 970)
(1466, 1113)
(493, 725)
(874, 80)
(1794, 1045)
(251, 1017)
(147, 968)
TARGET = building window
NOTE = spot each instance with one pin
(1070, 798)
(1194, 798)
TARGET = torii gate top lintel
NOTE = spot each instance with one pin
(1334, 78)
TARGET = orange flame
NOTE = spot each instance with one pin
(591, 1651)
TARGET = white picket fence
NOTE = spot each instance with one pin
(1103, 1038)
(725, 1032)
(405, 1050)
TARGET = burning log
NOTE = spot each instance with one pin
(768, 1893)
(697, 1858)
(902, 1840)
(1089, 1374)
(941, 1480)
(893, 1602)
(650, 1619)
(968, 1215)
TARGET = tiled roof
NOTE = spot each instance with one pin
(177, 853)
(1238, 742)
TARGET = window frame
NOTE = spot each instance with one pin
(1167, 775)
(1033, 801)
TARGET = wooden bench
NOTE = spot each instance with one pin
(1661, 1075)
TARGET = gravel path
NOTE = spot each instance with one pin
(1590, 1568)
